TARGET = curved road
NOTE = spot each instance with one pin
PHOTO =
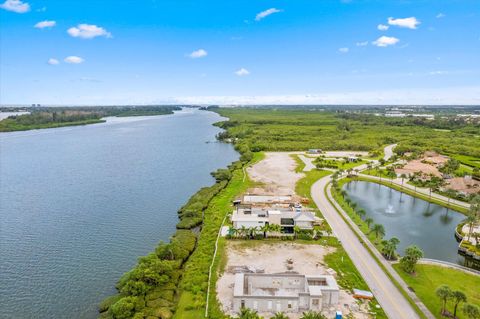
(393, 302)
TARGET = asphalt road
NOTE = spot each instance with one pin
(392, 301)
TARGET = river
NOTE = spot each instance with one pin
(79, 205)
(412, 220)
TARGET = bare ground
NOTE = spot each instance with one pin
(276, 172)
(271, 257)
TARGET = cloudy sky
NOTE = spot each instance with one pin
(240, 52)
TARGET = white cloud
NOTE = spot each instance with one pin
(438, 72)
(17, 6)
(53, 61)
(45, 24)
(362, 44)
(242, 72)
(410, 23)
(382, 27)
(74, 59)
(42, 9)
(343, 50)
(88, 31)
(266, 13)
(385, 41)
(440, 15)
(200, 53)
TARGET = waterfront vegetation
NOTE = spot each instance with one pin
(174, 278)
(50, 117)
(293, 129)
(428, 278)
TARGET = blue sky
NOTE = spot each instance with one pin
(240, 52)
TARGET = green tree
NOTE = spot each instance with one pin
(403, 176)
(368, 221)
(246, 313)
(312, 315)
(361, 213)
(450, 193)
(280, 315)
(444, 293)
(471, 311)
(124, 308)
(378, 230)
(457, 297)
(410, 259)
(389, 247)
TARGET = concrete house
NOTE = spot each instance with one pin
(284, 292)
(250, 216)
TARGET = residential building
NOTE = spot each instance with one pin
(284, 292)
(287, 217)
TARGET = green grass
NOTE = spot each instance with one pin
(304, 185)
(467, 160)
(300, 164)
(429, 277)
(191, 304)
(377, 173)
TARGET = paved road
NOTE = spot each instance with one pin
(389, 297)
(308, 163)
(388, 151)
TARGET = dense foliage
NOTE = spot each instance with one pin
(46, 117)
(288, 129)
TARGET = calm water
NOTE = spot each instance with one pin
(78, 205)
(412, 220)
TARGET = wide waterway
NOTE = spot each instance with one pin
(412, 220)
(78, 205)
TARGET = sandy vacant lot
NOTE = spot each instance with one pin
(272, 257)
(277, 173)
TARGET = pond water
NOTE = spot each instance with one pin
(79, 205)
(412, 220)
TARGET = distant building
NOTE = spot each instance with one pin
(314, 151)
(284, 292)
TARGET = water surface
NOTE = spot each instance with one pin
(412, 220)
(78, 205)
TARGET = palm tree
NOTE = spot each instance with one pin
(343, 193)
(458, 297)
(390, 246)
(361, 213)
(243, 231)
(232, 231)
(348, 201)
(312, 315)
(265, 229)
(444, 293)
(280, 315)
(246, 313)
(296, 230)
(403, 176)
(275, 228)
(353, 205)
(470, 221)
(471, 311)
(368, 221)
(450, 193)
(378, 230)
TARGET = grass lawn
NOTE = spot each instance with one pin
(429, 277)
(303, 186)
(191, 304)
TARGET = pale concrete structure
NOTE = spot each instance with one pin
(284, 292)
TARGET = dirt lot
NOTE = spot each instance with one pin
(277, 174)
(271, 257)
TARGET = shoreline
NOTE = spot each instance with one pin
(192, 231)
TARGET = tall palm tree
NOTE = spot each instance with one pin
(458, 297)
(403, 176)
(265, 229)
(361, 213)
(243, 231)
(378, 230)
(470, 221)
(343, 193)
(353, 205)
(368, 221)
(450, 193)
(444, 293)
